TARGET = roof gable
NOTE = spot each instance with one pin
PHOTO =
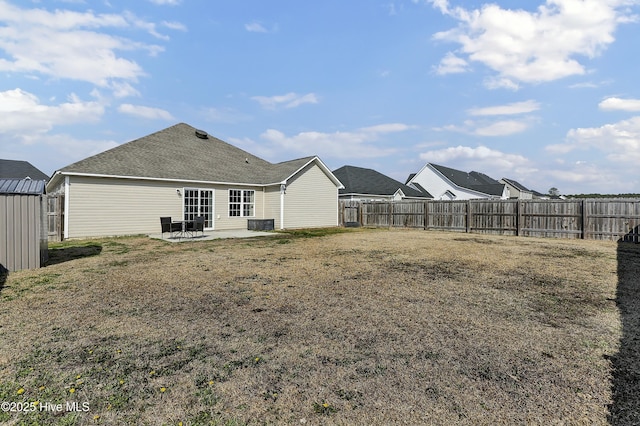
(181, 152)
(517, 185)
(474, 181)
(358, 180)
(16, 169)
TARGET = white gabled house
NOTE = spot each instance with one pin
(183, 172)
(444, 183)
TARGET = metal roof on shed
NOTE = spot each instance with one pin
(22, 186)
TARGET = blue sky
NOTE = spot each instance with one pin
(546, 95)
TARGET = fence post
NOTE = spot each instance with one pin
(583, 219)
(518, 217)
(468, 216)
(426, 215)
(390, 214)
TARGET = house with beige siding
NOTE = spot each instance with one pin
(183, 172)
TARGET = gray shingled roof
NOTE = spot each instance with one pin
(475, 181)
(178, 153)
(22, 186)
(358, 180)
(517, 185)
(17, 169)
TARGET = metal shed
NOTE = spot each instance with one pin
(23, 224)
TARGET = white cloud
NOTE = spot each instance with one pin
(121, 89)
(166, 2)
(290, 100)
(467, 158)
(178, 26)
(538, 46)
(145, 112)
(585, 85)
(485, 128)
(73, 45)
(618, 104)
(618, 142)
(502, 128)
(451, 64)
(494, 83)
(359, 143)
(379, 129)
(508, 109)
(67, 149)
(581, 177)
(255, 27)
(23, 113)
(465, 152)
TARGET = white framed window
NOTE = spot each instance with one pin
(242, 202)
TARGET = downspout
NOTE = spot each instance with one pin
(337, 206)
(66, 207)
(283, 190)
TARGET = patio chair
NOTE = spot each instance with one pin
(168, 226)
(199, 225)
(190, 227)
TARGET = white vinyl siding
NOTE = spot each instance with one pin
(106, 207)
(272, 204)
(311, 200)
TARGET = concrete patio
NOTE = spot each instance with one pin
(215, 235)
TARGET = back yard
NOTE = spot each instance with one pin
(356, 327)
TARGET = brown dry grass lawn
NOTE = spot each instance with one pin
(359, 327)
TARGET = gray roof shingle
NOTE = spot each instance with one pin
(178, 153)
(517, 185)
(358, 180)
(16, 169)
(474, 180)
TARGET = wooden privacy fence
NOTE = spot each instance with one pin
(55, 217)
(600, 219)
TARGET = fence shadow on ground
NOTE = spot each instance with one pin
(625, 408)
(4, 273)
(65, 254)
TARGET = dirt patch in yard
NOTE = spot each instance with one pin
(360, 327)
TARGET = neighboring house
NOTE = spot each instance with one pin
(370, 185)
(445, 183)
(15, 169)
(521, 192)
(183, 172)
(517, 190)
(23, 224)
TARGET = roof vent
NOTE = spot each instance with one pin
(202, 134)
